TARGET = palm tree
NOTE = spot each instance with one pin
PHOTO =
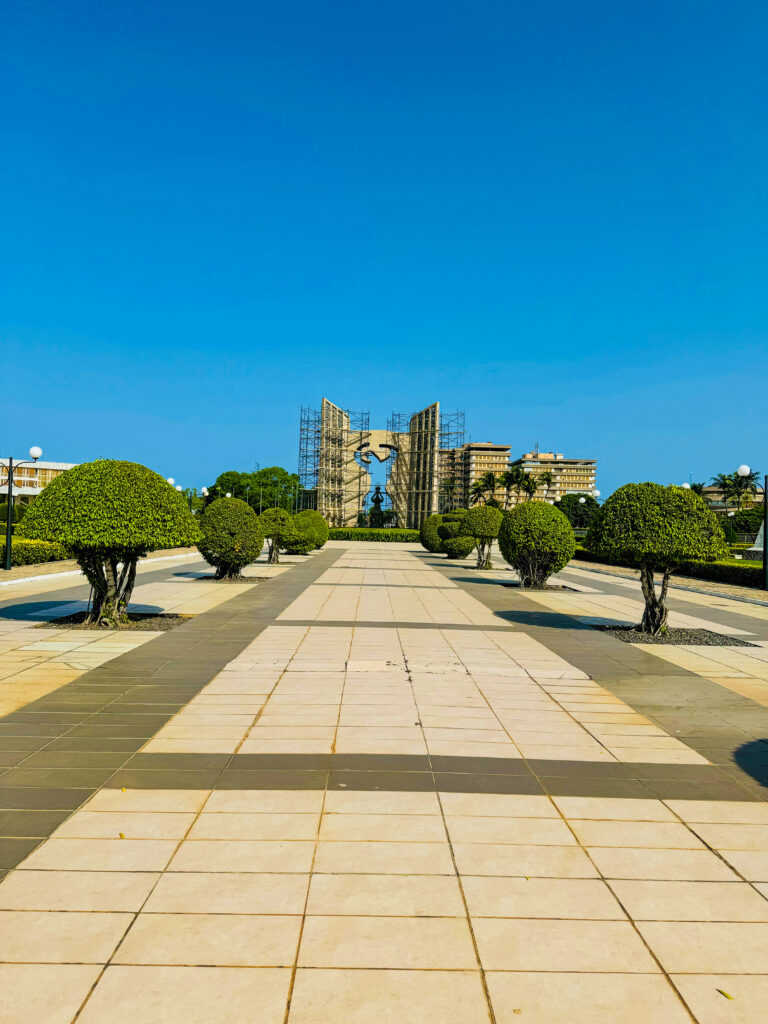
(488, 480)
(698, 489)
(744, 485)
(529, 486)
(724, 482)
(547, 478)
(508, 480)
(477, 492)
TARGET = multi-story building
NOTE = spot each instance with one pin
(31, 478)
(462, 467)
(568, 476)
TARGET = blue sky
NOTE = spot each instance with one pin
(551, 215)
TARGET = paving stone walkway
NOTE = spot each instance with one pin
(382, 787)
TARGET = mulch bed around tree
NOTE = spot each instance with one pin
(698, 637)
(537, 590)
(139, 621)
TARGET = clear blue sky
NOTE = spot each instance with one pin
(550, 215)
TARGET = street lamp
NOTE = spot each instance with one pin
(229, 494)
(170, 481)
(178, 487)
(686, 487)
(743, 470)
(582, 501)
(34, 455)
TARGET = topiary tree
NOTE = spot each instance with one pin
(578, 512)
(428, 535)
(299, 537)
(459, 547)
(537, 540)
(231, 537)
(482, 523)
(316, 523)
(274, 523)
(109, 514)
(655, 528)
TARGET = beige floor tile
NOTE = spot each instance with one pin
(704, 994)
(396, 858)
(229, 893)
(243, 855)
(338, 801)
(703, 948)
(577, 898)
(148, 800)
(643, 834)
(59, 938)
(222, 940)
(376, 997)
(385, 895)
(192, 995)
(540, 998)
(76, 890)
(671, 865)
(398, 828)
(498, 805)
(734, 837)
(133, 825)
(525, 831)
(43, 993)
(101, 855)
(387, 942)
(613, 809)
(546, 945)
(691, 901)
(735, 812)
(258, 801)
(520, 860)
(267, 825)
(753, 865)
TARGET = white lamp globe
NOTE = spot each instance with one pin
(743, 470)
(178, 487)
(686, 487)
(229, 494)
(582, 501)
(171, 481)
(35, 452)
(731, 514)
(205, 491)
(595, 494)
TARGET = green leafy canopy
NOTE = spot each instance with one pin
(232, 536)
(110, 507)
(656, 527)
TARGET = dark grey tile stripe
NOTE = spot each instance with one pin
(364, 624)
(417, 773)
(58, 750)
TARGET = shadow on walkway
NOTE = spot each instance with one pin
(752, 758)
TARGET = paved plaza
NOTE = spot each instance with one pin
(375, 786)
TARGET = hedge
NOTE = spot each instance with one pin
(393, 536)
(738, 572)
(33, 552)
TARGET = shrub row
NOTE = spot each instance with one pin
(33, 552)
(392, 536)
(727, 570)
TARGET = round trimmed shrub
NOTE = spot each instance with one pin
(428, 535)
(459, 547)
(578, 512)
(316, 523)
(656, 529)
(448, 529)
(274, 523)
(231, 537)
(482, 522)
(109, 514)
(537, 540)
(299, 537)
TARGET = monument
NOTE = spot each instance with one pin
(335, 450)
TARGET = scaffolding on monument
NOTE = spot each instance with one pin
(309, 457)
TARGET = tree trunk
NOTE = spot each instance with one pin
(656, 613)
(111, 588)
(274, 551)
(484, 555)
